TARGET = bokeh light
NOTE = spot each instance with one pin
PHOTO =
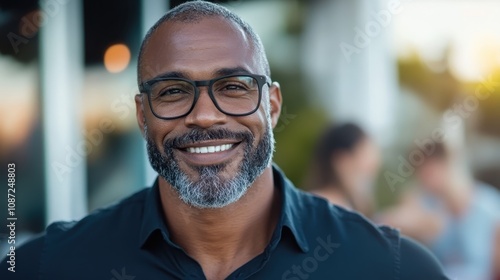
(116, 58)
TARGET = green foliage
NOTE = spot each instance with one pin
(438, 88)
(299, 126)
(441, 90)
(295, 143)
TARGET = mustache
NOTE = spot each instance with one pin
(198, 135)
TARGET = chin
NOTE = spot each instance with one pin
(225, 170)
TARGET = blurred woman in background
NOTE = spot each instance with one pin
(344, 168)
(457, 217)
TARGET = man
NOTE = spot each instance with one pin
(219, 209)
(457, 216)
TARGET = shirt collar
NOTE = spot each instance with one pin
(153, 218)
(291, 212)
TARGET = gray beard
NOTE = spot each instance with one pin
(210, 189)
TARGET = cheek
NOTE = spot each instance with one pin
(431, 177)
(363, 167)
(373, 165)
(258, 121)
(159, 130)
(370, 158)
(264, 108)
(365, 163)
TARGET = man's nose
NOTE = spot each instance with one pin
(204, 113)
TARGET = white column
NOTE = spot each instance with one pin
(347, 56)
(152, 10)
(61, 67)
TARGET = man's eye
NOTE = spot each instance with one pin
(234, 87)
(172, 91)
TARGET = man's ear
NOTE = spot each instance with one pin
(139, 113)
(275, 101)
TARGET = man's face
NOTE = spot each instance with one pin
(208, 157)
(359, 167)
(434, 174)
(366, 164)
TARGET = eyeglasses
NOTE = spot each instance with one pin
(234, 95)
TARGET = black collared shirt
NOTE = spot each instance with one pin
(313, 240)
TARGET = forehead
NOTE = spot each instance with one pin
(197, 49)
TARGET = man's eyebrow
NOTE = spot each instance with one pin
(231, 71)
(217, 73)
(172, 74)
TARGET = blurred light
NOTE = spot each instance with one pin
(14, 127)
(116, 58)
(452, 28)
(18, 108)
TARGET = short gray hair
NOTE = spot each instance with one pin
(195, 11)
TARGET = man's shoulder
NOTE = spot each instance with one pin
(318, 213)
(62, 240)
(26, 261)
(103, 220)
(417, 262)
(101, 227)
(104, 229)
(364, 243)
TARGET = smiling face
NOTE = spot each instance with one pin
(208, 157)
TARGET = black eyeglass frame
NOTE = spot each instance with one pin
(146, 87)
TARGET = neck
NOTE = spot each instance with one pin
(223, 239)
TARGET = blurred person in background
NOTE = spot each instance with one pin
(456, 216)
(345, 166)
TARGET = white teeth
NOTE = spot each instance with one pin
(209, 149)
